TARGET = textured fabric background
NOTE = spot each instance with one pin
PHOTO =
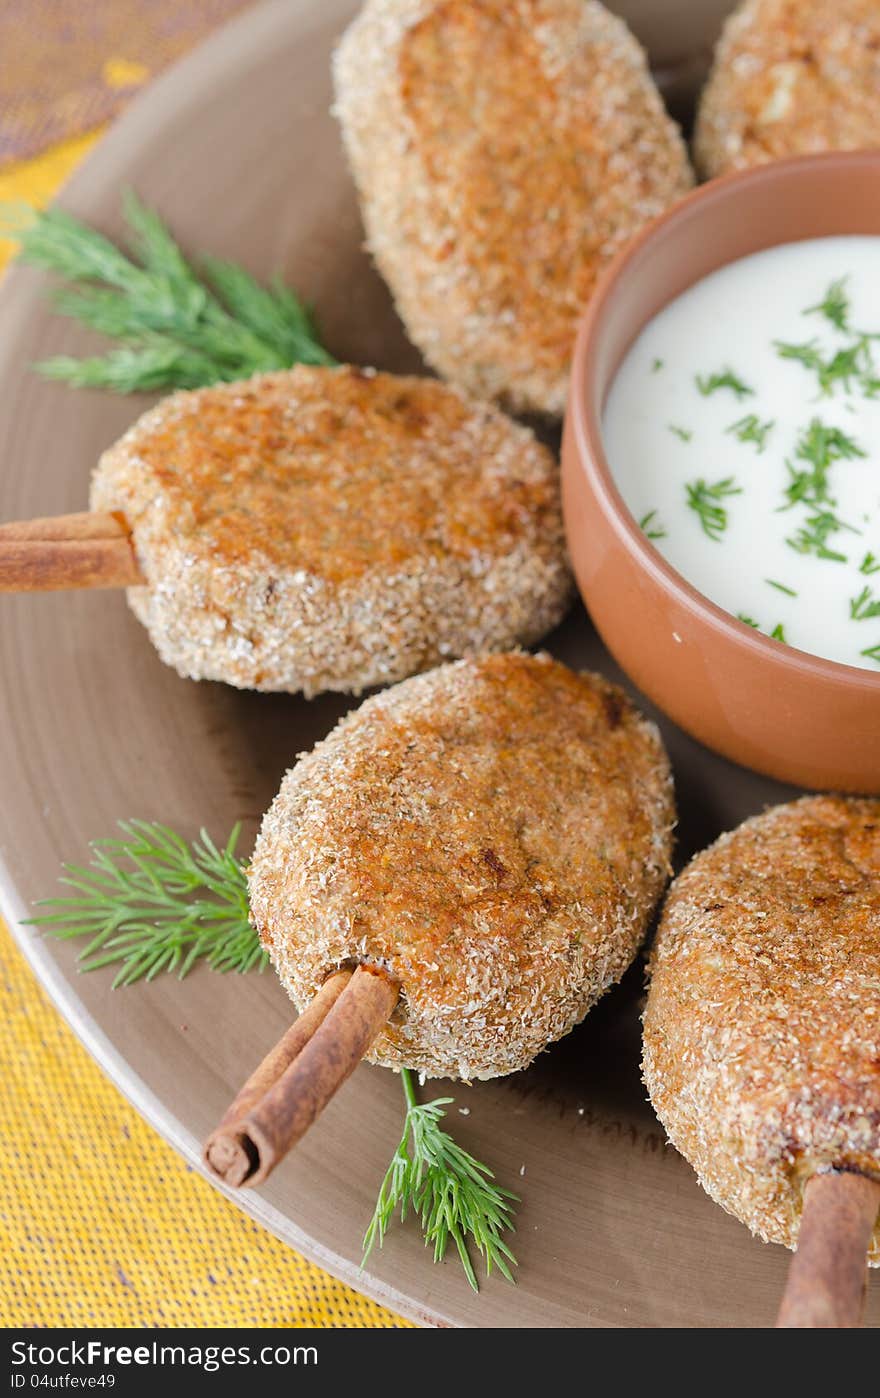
(68, 65)
(100, 1222)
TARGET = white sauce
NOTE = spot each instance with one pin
(731, 320)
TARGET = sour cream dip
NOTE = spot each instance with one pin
(743, 432)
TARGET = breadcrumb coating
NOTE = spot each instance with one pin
(791, 77)
(503, 150)
(762, 1027)
(495, 834)
(332, 529)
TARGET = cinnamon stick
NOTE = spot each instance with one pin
(294, 1083)
(828, 1273)
(86, 550)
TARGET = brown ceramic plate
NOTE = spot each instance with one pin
(236, 147)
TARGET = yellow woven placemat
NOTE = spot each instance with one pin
(69, 66)
(126, 1235)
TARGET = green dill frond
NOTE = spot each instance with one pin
(834, 305)
(178, 325)
(864, 607)
(711, 383)
(705, 500)
(853, 363)
(151, 902)
(751, 429)
(820, 446)
(453, 1194)
(813, 535)
(651, 526)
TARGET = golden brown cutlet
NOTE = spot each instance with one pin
(494, 834)
(762, 1028)
(335, 528)
(503, 150)
(791, 77)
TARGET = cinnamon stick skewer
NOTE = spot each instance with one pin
(296, 1080)
(85, 550)
(828, 1273)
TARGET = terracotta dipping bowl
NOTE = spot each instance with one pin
(775, 709)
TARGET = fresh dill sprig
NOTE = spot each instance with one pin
(651, 525)
(751, 429)
(710, 383)
(151, 902)
(705, 501)
(778, 633)
(872, 652)
(657, 366)
(834, 305)
(684, 433)
(869, 564)
(865, 606)
(178, 326)
(748, 620)
(780, 587)
(453, 1194)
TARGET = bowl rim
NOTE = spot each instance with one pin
(586, 424)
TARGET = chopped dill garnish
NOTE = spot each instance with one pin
(657, 366)
(683, 432)
(704, 500)
(872, 652)
(710, 383)
(751, 429)
(651, 525)
(820, 446)
(780, 587)
(853, 362)
(823, 444)
(834, 306)
(813, 536)
(777, 634)
(869, 564)
(806, 354)
(864, 607)
(844, 366)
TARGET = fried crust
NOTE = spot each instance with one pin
(495, 834)
(503, 150)
(335, 528)
(791, 77)
(762, 1027)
